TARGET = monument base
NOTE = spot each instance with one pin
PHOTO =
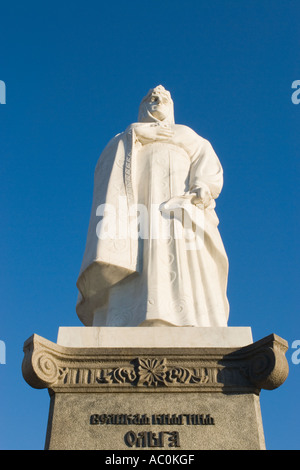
(194, 389)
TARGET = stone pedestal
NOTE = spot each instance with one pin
(155, 388)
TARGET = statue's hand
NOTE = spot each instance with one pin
(203, 196)
(153, 133)
(164, 132)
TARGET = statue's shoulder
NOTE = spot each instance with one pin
(109, 151)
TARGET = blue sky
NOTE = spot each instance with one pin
(75, 73)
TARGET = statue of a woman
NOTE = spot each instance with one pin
(139, 268)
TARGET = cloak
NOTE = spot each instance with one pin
(119, 264)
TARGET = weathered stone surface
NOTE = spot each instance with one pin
(233, 421)
(212, 394)
(248, 369)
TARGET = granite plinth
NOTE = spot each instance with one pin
(166, 421)
(148, 397)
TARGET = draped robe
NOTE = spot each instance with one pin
(129, 280)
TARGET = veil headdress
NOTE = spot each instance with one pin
(144, 114)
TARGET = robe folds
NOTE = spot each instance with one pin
(135, 274)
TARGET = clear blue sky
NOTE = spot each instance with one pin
(75, 73)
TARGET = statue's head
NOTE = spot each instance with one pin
(157, 105)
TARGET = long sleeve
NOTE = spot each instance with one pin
(206, 170)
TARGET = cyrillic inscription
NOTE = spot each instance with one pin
(152, 439)
(120, 419)
(155, 419)
(148, 438)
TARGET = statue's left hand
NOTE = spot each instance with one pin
(202, 197)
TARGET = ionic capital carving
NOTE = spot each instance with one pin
(261, 365)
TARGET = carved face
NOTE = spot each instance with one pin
(158, 105)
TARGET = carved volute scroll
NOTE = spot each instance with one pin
(268, 368)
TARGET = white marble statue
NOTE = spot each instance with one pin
(154, 255)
